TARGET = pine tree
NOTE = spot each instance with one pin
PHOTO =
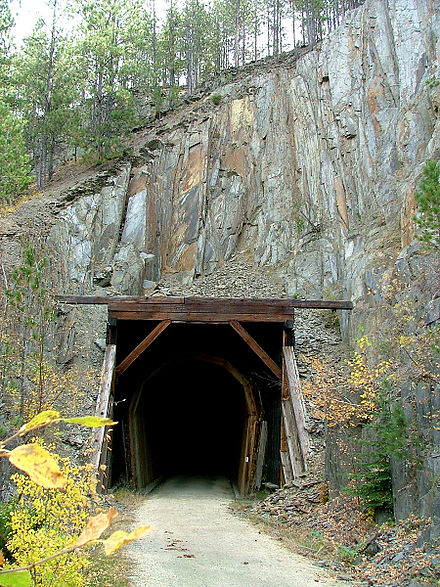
(170, 63)
(428, 203)
(43, 79)
(196, 24)
(115, 39)
(6, 24)
(14, 159)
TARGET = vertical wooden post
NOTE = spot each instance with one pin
(286, 467)
(296, 398)
(293, 412)
(111, 331)
(104, 409)
(261, 454)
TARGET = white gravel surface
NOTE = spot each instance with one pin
(198, 542)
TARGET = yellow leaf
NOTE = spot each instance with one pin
(41, 419)
(39, 464)
(96, 526)
(119, 538)
(16, 579)
(90, 421)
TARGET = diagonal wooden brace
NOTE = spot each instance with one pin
(142, 346)
(256, 348)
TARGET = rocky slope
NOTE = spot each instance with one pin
(303, 174)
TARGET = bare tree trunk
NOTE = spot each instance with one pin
(172, 51)
(50, 159)
(99, 113)
(243, 44)
(153, 6)
(190, 64)
(41, 179)
(292, 7)
(255, 35)
(237, 33)
(280, 26)
(276, 43)
(268, 29)
(303, 26)
(48, 101)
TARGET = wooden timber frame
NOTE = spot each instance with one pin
(234, 312)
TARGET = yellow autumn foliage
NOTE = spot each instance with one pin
(120, 538)
(347, 401)
(39, 464)
(49, 520)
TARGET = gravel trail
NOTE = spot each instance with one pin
(198, 542)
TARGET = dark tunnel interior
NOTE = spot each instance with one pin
(194, 415)
(182, 406)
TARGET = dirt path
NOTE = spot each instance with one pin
(198, 542)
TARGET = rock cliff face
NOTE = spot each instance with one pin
(310, 166)
(306, 168)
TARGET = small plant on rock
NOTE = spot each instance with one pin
(216, 99)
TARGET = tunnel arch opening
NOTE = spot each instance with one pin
(193, 414)
(196, 401)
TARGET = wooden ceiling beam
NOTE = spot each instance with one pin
(250, 341)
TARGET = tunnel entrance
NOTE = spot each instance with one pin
(201, 385)
(196, 402)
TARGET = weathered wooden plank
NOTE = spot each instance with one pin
(297, 461)
(79, 299)
(256, 348)
(142, 346)
(196, 317)
(121, 302)
(296, 456)
(103, 401)
(261, 454)
(208, 307)
(139, 305)
(296, 398)
(323, 304)
(286, 466)
(238, 305)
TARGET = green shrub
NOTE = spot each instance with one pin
(391, 437)
(216, 99)
(428, 203)
(6, 510)
(346, 554)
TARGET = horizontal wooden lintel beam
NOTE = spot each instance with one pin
(191, 305)
(197, 317)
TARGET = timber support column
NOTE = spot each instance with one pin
(295, 438)
(104, 408)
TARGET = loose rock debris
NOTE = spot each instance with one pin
(391, 555)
